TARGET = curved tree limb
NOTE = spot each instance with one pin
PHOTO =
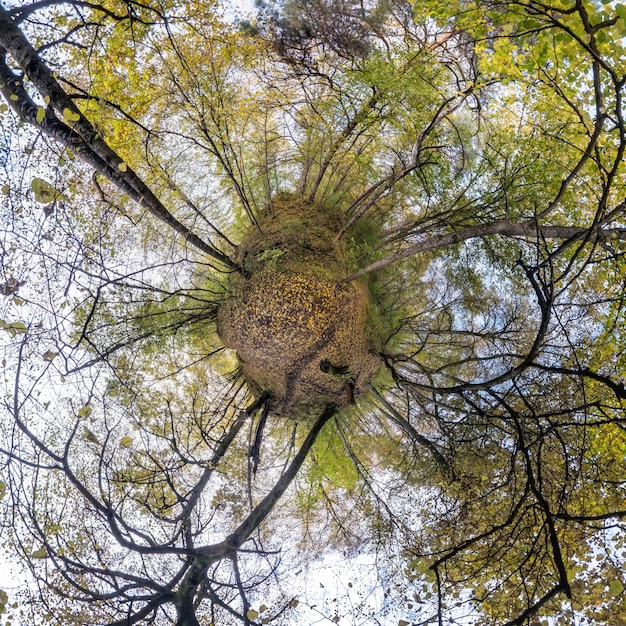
(206, 556)
(236, 539)
(506, 228)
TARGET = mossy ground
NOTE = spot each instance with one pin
(300, 332)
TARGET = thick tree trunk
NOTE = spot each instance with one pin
(81, 136)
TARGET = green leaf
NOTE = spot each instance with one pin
(84, 411)
(44, 192)
(6, 326)
(19, 327)
(615, 587)
(89, 436)
(122, 167)
(14, 97)
(126, 442)
(5, 190)
(3, 601)
(3, 489)
(620, 9)
(252, 614)
(41, 114)
(42, 553)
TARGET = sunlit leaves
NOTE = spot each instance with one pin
(71, 116)
(330, 462)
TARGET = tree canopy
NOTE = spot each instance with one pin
(339, 281)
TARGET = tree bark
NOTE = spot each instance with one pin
(506, 228)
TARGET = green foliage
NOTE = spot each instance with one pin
(270, 256)
(476, 150)
(330, 465)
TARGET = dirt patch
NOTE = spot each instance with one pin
(298, 330)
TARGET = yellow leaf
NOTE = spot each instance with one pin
(122, 167)
(126, 442)
(252, 614)
(70, 115)
(41, 114)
